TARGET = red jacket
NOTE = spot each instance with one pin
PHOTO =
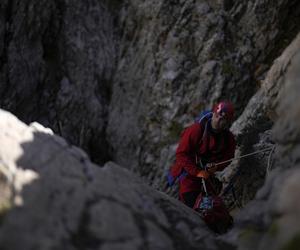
(196, 141)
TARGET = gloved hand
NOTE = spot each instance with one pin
(211, 168)
(203, 174)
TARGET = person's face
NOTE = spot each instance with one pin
(220, 121)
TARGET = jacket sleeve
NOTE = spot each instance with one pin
(228, 152)
(187, 148)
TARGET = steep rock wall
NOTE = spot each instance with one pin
(252, 128)
(271, 219)
(177, 58)
(122, 79)
(57, 62)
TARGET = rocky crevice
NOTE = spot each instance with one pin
(122, 80)
(46, 45)
(188, 59)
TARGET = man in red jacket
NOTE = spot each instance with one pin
(204, 144)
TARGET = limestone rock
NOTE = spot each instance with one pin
(70, 203)
(57, 63)
(177, 59)
(121, 79)
(271, 219)
(252, 128)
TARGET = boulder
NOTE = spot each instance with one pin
(55, 198)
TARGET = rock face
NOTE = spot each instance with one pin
(271, 219)
(58, 199)
(177, 58)
(121, 79)
(252, 128)
(57, 63)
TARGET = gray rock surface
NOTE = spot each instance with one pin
(177, 58)
(271, 220)
(60, 200)
(57, 63)
(252, 128)
(121, 79)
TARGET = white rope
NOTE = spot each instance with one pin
(272, 148)
(246, 155)
(204, 186)
(269, 161)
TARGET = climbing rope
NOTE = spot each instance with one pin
(246, 155)
(230, 184)
(269, 161)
